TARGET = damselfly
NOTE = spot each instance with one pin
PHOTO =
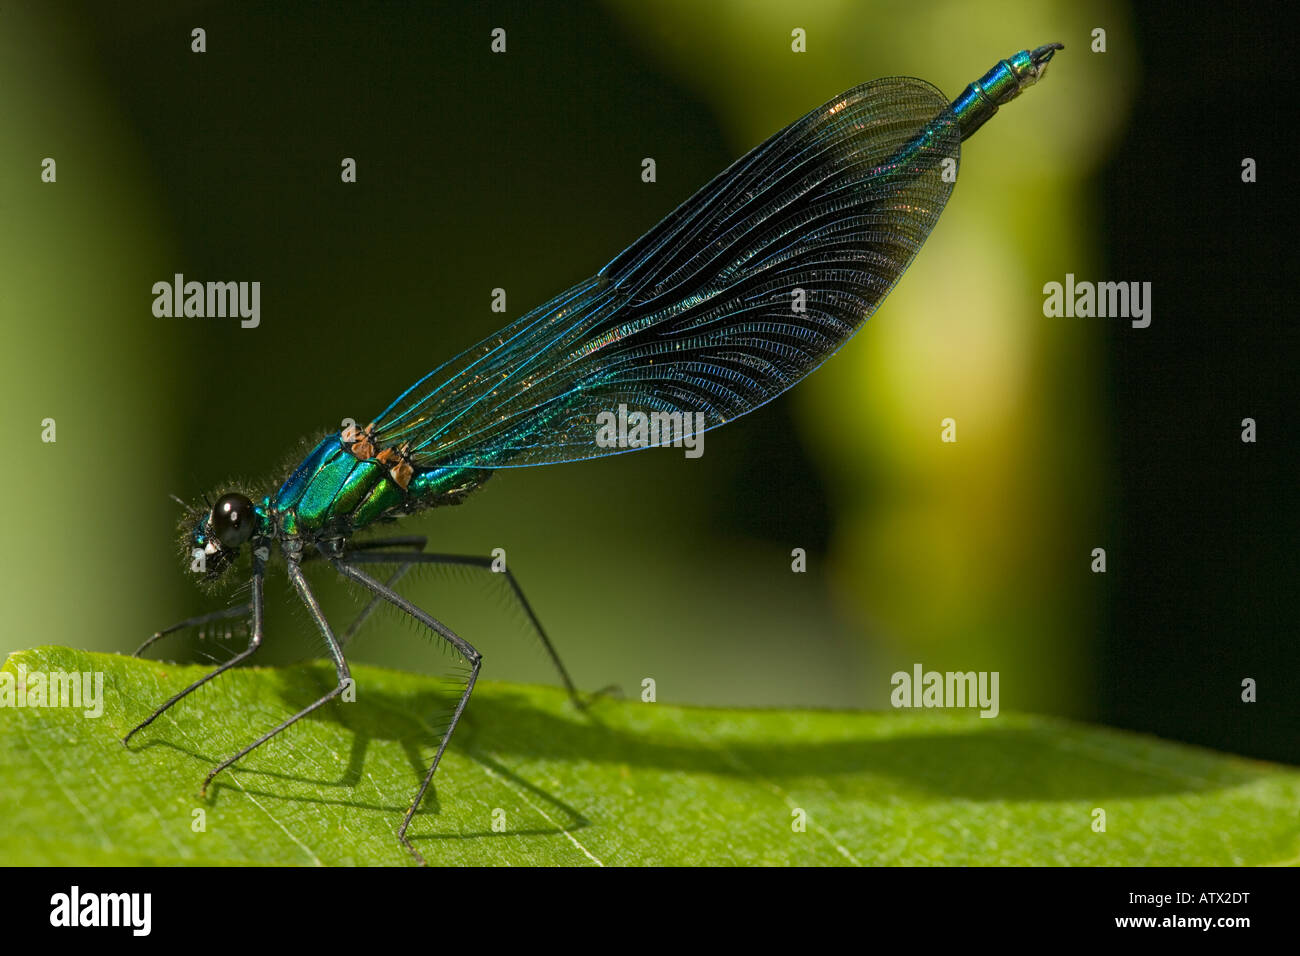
(736, 295)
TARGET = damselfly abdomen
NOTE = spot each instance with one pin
(736, 295)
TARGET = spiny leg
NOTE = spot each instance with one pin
(254, 642)
(415, 541)
(240, 610)
(340, 666)
(476, 561)
(460, 644)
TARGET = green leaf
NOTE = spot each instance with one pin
(629, 783)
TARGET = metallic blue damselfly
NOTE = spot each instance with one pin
(731, 299)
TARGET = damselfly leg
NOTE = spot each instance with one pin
(368, 552)
(239, 610)
(462, 646)
(255, 606)
(405, 560)
(417, 542)
(335, 652)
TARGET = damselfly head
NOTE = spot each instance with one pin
(233, 520)
(212, 538)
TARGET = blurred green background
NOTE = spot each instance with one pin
(522, 171)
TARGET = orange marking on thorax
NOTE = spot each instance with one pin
(399, 466)
(363, 447)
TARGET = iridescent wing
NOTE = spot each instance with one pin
(736, 295)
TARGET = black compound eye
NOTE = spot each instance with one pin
(233, 520)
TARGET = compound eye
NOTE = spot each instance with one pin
(233, 520)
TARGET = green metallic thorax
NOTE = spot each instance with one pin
(332, 493)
